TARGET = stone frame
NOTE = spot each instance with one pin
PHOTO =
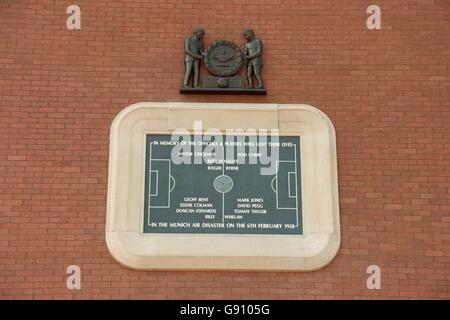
(321, 226)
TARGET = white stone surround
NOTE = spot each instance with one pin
(320, 206)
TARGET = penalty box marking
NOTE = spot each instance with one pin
(156, 182)
(288, 184)
(168, 182)
(295, 172)
(291, 173)
(157, 185)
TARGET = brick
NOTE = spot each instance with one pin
(388, 100)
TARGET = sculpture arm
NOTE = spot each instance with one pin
(259, 49)
(189, 52)
(202, 51)
(245, 52)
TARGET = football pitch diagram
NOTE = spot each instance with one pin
(223, 195)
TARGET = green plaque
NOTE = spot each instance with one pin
(217, 185)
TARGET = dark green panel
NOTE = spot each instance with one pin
(210, 195)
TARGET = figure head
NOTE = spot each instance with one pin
(199, 33)
(248, 34)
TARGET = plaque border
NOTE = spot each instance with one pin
(132, 248)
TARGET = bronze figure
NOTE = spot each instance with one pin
(253, 54)
(193, 47)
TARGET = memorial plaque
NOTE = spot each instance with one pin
(230, 199)
(223, 192)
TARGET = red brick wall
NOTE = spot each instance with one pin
(386, 91)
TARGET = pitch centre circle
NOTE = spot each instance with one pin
(223, 184)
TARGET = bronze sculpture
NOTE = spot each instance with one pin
(223, 60)
(253, 55)
(193, 47)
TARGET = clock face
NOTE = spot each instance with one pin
(223, 58)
